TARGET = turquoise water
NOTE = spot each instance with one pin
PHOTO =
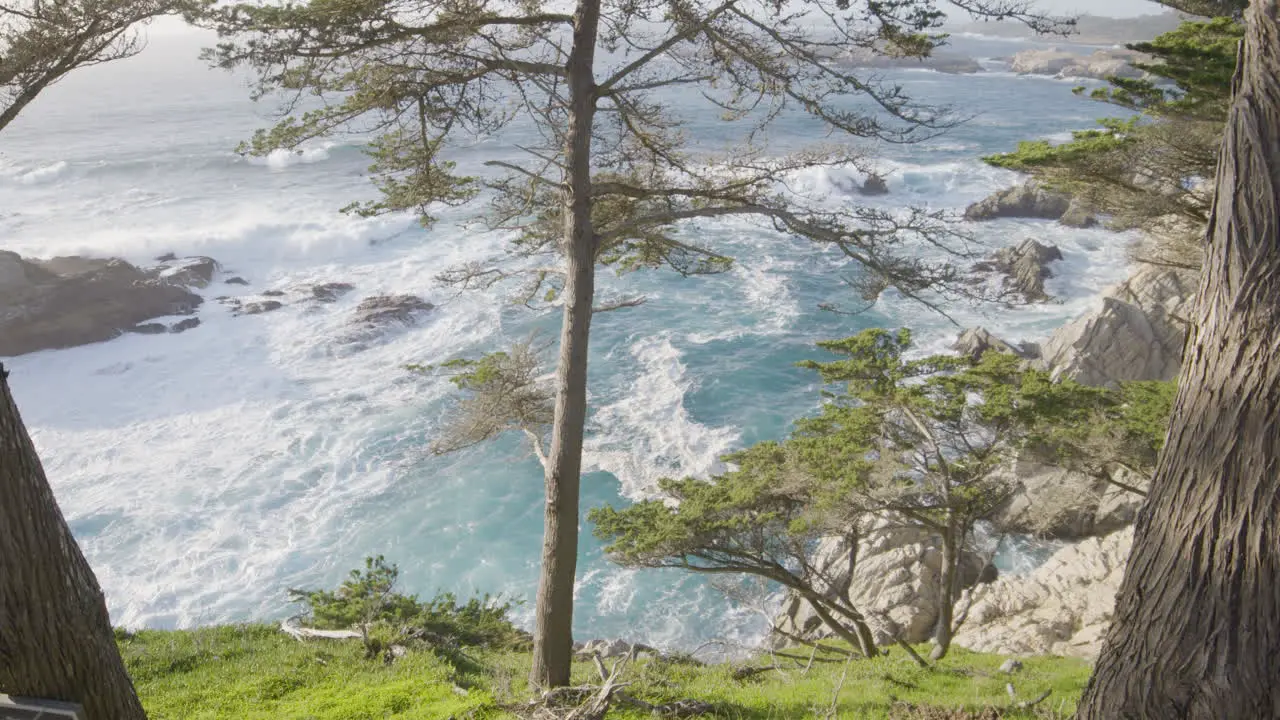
(207, 472)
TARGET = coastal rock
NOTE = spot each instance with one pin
(1136, 334)
(71, 301)
(236, 281)
(194, 272)
(380, 310)
(976, 341)
(895, 583)
(1063, 504)
(258, 307)
(1077, 216)
(874, 185)
(1027, 200)
(184, 325)
(330, 292)
(1062, 608)
(1026, 267)
(1100, 65)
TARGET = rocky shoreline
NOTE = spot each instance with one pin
(1135, 333)
(1064, 606)
(65, 302)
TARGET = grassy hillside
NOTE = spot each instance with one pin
(256, 672)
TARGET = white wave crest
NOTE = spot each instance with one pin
(648, 434)
(281, 158)
(42, 174)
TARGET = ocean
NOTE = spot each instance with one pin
(206, 473)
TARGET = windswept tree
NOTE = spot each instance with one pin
(1152, 171)
(610, 176)
(764, 518)
(43, 40)
(1197, 622)
(919, 442)
(56, 640)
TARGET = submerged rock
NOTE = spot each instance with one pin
(259, 307)
(184, 325)
(387, 309)
(71, 301)
(330, 292)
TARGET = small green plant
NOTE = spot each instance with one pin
(367, 601)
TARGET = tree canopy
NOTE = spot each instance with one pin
(43, 40)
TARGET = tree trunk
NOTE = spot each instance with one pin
(1197, 626)
(553, 634)
(860, 637)
(56, 640)
(948, 580)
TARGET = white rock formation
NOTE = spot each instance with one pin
(895, 583)
(1064, 504)
(1066, 64)
(1137, 333)
(1062, 608)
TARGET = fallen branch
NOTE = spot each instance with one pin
(592, 702)
(746, 672)
(1025, 704)
(291, 627)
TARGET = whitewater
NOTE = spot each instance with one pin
(205, 473)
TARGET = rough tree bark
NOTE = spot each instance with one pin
(56, 640)
(1197, 628)
(553, 633)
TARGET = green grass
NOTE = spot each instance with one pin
(256, 672)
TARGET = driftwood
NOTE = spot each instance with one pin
(592, 702)
(1025, 704)
(291, 627)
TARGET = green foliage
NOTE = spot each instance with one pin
(1144, 170)
(500, 392)
(368, 600)
(255, 672)
(1199, 57)
(752, 516)
(1094, 430)
(920, 439)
